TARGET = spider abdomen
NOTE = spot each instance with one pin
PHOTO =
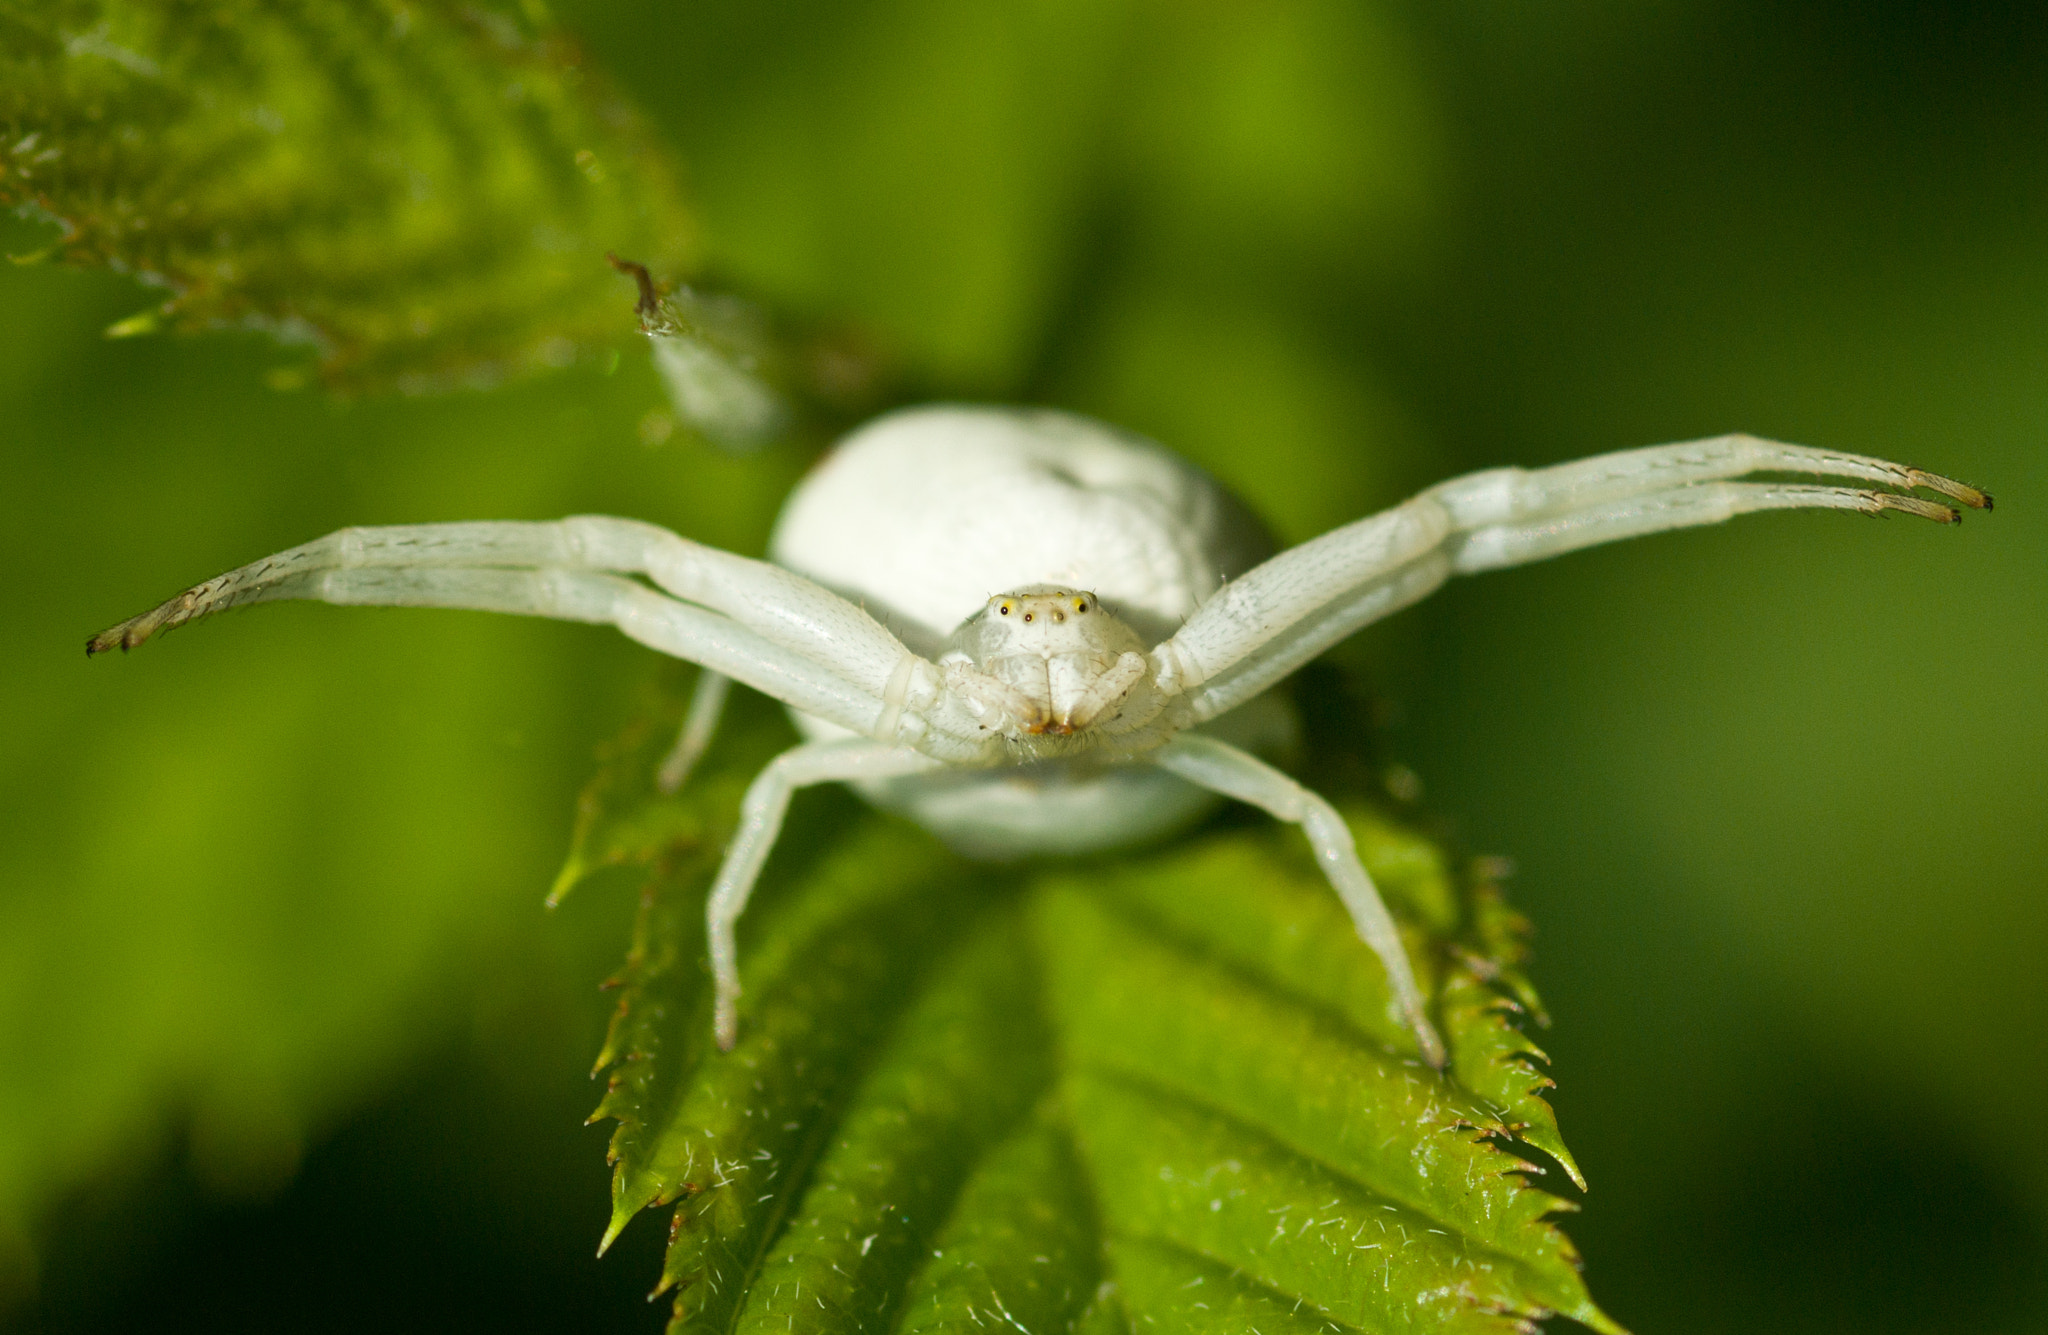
(923, 515)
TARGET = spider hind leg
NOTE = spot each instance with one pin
(1222, 768)
(761, 813)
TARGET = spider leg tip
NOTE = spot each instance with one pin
(1431, 1045)
(1954, 490)
(1914, 505)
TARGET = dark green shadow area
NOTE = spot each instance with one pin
(466, 1201)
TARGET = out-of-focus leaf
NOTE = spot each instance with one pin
(422, 191)
(710, 350)
(1167, 1091)
(740, 382)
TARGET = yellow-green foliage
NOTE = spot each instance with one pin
(422, 191)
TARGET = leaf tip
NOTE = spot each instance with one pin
(566, 880)
(136, 325)
(1554, 1147)
(1586, 1314)
(622, 1215)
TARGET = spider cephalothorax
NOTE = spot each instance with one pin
(1044, 661)
(1117, 689)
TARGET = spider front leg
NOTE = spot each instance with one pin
(1222, 768)
(773, 630)
(1510, 516)
(671, 626)
(1264, 625)
(1626, 477)
(761, 813)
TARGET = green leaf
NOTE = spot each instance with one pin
(1166, 1091)
(421, 191)
(740, 380)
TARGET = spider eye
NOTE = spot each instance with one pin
(1027, 616)
(1080, 604)
(1004, 608)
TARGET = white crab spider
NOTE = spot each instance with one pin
(1104, 693)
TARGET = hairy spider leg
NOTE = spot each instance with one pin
(1286, 653)
(761, 813)
(1222, 768)
(707, 704)
(781, 607)
(1686, 506)
(1284, 612)
(1624, 473)
(772, 629)
(653, 618)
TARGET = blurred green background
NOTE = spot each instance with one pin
(286, 1039)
